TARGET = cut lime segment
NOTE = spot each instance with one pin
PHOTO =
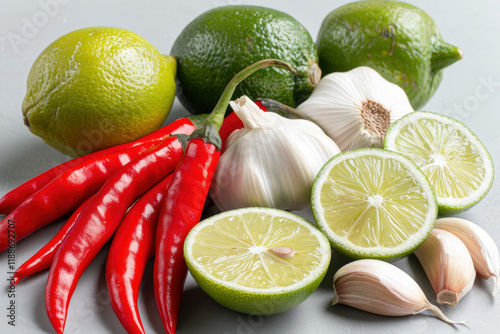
(373, 203)
(456, 163)
(257, 260)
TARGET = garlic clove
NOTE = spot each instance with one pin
(381, 288)
(356, 108)
(448, 266)
(271, 162)
(481, 246)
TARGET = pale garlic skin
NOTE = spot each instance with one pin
(271, 162)
(356, 108)
(381, 288)
(481, 246)
(448, 266)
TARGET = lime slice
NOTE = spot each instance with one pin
(373, 203)
(451, 156)
(257, 260)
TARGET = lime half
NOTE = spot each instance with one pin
(373, 203)
(257, 260)
(451, 156)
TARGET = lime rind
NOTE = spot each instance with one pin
(224, 40)
(98, 87)
(447, 204)
(257, 300)
(352, 250)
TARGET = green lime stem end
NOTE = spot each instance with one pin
(444, 55)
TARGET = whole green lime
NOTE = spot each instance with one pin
(98, 87)
(223, 41)
(398, 40)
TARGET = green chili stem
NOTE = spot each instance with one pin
(198, 120)
(209, 131)
(216, 117)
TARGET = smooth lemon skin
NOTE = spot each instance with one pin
(398, 40)
(98, 87)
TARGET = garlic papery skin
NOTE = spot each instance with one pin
(448, 266)
(379, 287)
(271, 162)
(356, 108)
(481, 246)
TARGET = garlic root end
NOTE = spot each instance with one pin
(447, 297)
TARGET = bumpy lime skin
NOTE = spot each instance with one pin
(221, 42)
(98, 87)
(398, 40)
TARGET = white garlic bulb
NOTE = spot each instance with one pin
(356, 108)
(271, 162)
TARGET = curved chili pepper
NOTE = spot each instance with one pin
(183, 205)
(181, 210)
(132, 247)
(15, 197)
(99, 220)
(43, 258)
(64, 193)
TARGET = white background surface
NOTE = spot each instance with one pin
(469, 92)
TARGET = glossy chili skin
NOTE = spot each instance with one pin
(64, 194)
(231, 123)
(181, 210)
(15, 197)
(99, 220)
(43, 258)
(132, 247)
(186, 195)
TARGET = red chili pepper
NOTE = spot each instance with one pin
(63, 194)
(180, 212)
(132, 247)
(99, 220)
(15, 197)
(183, 205)
(43, 258)
(231, 123)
